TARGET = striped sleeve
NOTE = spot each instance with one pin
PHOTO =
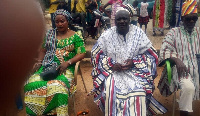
(145, 68)
(102, 65)
(168, 48)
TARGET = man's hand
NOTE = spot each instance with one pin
(128, 64)
(117, 67)
(181, 68)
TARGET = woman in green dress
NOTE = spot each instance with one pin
(62, 47)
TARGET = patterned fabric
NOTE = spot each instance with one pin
(189, 6)
(169, 12)
(125, 92)
(115, 6)
(50, 43)
(180, 44)
(64, 13)
(174, 18)
(51, 97)
(143, 20)
(159, 15)
(143, 9)
(133, 11)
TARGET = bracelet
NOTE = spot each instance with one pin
(69, 62)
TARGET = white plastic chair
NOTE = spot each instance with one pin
(76, 72)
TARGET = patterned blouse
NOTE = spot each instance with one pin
(67, 48)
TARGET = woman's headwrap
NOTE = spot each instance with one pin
(188, 7)
(64, 13)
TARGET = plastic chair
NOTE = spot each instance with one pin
(76, 72)
(169, 74)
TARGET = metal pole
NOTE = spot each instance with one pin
(174, 104)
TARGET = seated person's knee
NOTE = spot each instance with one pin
(187, 86)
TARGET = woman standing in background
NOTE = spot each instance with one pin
(144, 17)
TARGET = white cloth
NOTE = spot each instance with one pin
(186, 95)
(143, 9)
(119, 48)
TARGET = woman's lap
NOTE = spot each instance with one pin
(42, 97)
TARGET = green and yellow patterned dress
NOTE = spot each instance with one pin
(51, 97)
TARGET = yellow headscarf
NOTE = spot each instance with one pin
(188, 7)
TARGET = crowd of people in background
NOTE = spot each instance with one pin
(165, 13)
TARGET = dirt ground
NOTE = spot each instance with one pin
(84, 102)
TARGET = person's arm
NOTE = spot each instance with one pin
(39, 60)
(168, 52)
(76, 58)
(71, 61)
(41, 55)
(181, 68)
(74, 9)
(138, 12)
(104, 7)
